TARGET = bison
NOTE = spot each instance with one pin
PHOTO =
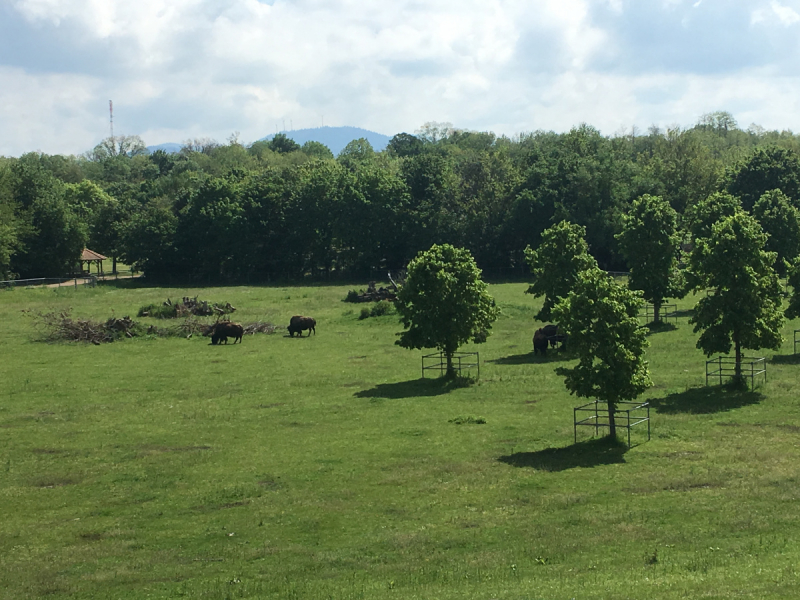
(540, 342)
(221, 331)
(298, 324)
(554, 335)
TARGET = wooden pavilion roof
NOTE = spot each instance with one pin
(91, 255)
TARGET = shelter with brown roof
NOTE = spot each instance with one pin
(89, 257)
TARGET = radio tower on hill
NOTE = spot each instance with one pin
(111, 126)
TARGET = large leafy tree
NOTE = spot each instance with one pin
(703, 215)
(743, 306)
(52, 236)
(557, 263)
(781, 222)
(601, 318)
(650, 242)
(444, 303)
(766, 169)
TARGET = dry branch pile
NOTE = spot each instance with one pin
(372, 294)
(185, 308)
(60, 326)
(259, 327)
(200, 308)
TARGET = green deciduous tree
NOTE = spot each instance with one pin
(283, 144)
(743, 306)
(557, 263)
(600, 317)
(444, 303)
(766, 169)
(781, 222)
(793, 280)
(703, 215)
(650, 242)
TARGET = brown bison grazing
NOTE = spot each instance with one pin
(298, 324)
(221, 331)
(540, 342)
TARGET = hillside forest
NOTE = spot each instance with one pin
(216, 213)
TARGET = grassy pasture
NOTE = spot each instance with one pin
(323, 467)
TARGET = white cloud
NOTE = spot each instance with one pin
(185, 68)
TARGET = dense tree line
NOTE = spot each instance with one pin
(228, 212)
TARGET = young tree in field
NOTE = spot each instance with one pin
(444, 303)
(557, 263)
(781, 222)
(650, 242)
(600, 317)
(743, 306)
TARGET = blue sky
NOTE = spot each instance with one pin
(179, 69)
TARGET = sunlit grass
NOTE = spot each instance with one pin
(324, 467)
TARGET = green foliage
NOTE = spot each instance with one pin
(52, 236)
(743, 304)
(793, 281)
(468, 420)
(384, 307)
(316, 150)
(283, 144)
(404, 144)
(766, 169)
(705, 214)
(781, 222)
(352, 296)
(600, 317)
(557, 263)
(379, 309)
(650, 242)
(444, 303)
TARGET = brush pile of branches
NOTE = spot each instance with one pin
(60, 326)
(373, 294)
(185, 308)
(259, 327)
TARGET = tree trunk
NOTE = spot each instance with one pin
(738, 366)
(612, 422)
(113, 265)
(656, 311)
(450, 370)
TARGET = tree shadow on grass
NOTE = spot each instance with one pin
(591, 453)
(415, 388)
(660, 327)
(786, 359)
(706, 400)
(530, 358)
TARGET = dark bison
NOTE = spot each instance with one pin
(554, 335)
(299, 324)
(220, 332)
(540, 342)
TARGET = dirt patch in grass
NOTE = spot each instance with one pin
(54, 481)
(270, 484)
(158, 449)
(52, 451)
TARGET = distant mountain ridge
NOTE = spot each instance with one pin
(335, 138)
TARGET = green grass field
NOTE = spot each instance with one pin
(323, 467)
